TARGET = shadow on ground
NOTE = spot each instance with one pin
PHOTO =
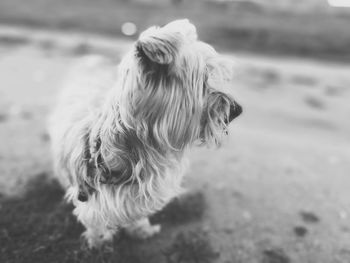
(39, 227)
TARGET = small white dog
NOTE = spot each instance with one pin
(120, 132)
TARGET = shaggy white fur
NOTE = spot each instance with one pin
(120, 132)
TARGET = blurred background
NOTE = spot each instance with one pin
(278, 189)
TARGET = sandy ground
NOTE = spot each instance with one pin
(276, 192)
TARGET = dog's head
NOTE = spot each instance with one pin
(173, 88)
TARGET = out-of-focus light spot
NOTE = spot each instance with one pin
(339, 3)
(129, 29)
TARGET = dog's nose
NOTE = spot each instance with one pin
(235, 111)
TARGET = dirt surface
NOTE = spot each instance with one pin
(276, 192)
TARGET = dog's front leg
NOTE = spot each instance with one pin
(98, 236)
(142, 229)
(97, 233)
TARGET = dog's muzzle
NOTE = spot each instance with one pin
(235, 111)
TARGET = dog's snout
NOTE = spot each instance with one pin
(235, 111)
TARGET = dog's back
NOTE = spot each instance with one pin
(83, 93)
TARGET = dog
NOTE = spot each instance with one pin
(120, 132)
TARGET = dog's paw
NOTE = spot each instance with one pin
(96, 240)
(143, 232)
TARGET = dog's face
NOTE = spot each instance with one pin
(174, 88)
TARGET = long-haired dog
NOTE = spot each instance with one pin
(120, 132)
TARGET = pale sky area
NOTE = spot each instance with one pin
(339, 3)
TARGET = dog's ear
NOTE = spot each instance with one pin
(162, 44)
